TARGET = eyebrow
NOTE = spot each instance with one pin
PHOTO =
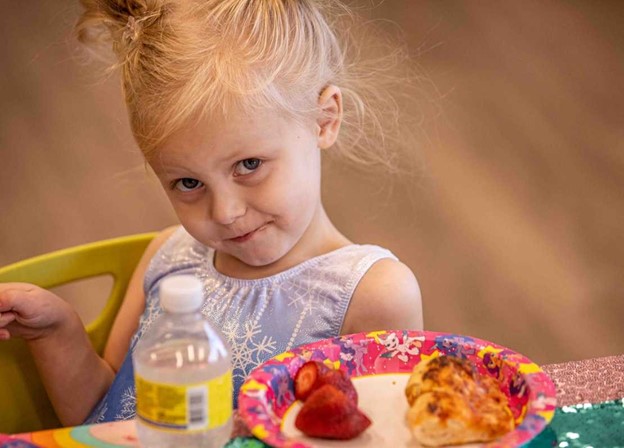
(174, 170)
(243, 154)
(174, 166)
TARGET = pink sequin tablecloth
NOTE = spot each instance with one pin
(588, 381)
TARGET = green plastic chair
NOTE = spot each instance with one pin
(24, 404)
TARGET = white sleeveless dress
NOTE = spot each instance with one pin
(260, 318)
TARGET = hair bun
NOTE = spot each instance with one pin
(141, 15)
(120, 22)
(131, 32)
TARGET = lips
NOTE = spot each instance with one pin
(247, 236)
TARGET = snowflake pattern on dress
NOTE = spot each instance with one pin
(127, 408)
(249, 347)
(149, 316)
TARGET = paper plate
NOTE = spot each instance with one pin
(380, 364)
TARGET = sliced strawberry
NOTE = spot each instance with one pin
(328, 413)
(308, 378)
(330, 401)
(314, 374)
(340, 380)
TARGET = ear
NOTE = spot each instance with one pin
(330, 116)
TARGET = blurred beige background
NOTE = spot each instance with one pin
(513, 225)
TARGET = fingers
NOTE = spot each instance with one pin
(6, 318)
(7, 298)
(11, 294)
(4, 334)
(29, 311)
(17, 285)
(22, 303)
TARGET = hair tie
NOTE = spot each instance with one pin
(131, 31)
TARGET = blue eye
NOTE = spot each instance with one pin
(247, 166)
(187, 184)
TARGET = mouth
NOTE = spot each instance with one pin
(247, 236)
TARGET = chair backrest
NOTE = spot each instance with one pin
(24, 404)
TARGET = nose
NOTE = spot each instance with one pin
(226, 207)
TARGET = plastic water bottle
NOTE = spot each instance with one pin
(183, 374)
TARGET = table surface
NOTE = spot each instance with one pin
(588, 381)
(599, 382)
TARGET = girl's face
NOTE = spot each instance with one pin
(248, 186)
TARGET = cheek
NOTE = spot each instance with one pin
(194, 220)
(294, 193)
(186, 214)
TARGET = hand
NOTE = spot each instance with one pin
(30, 312)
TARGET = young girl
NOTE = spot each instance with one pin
(233, 103)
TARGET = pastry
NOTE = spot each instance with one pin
(451, 403)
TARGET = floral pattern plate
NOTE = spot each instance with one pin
(380, 364)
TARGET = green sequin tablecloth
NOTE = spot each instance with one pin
(585, 425)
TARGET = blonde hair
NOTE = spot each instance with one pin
(183, 59)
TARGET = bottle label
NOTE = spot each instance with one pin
(191, 407)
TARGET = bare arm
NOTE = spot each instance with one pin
(74, 376)
(387, 298)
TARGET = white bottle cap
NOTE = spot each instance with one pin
(181, 294)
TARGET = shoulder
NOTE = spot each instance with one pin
(152, 248)
(387, 297)
(159, 240)
(174, 246)
(172, 250)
